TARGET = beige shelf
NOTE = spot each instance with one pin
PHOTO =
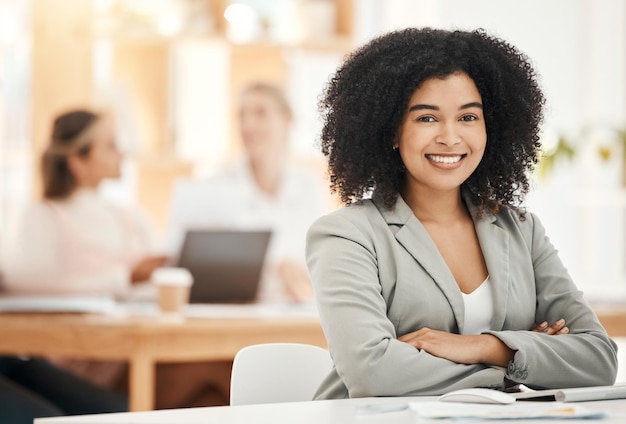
(64, 38)
(217, 29)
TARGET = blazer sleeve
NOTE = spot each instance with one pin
(362, 340)
(584, 357)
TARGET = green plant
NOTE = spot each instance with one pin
(565, 150)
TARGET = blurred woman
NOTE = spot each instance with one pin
(73, 241)
(259, 191)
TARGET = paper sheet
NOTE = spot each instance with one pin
(77, 304)
(526, 410)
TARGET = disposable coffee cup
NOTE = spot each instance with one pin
(174, 286)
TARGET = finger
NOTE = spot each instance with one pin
(558, 326)
(413, 341)
(541, 327)
(563, 330)
(408, 336)
(554, 328)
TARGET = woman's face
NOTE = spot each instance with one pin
(264, 125)
(103, 160)
(443, 136)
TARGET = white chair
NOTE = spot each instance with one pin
(277, 372)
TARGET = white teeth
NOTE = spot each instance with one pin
(444, 159)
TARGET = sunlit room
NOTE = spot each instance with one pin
(311, 210)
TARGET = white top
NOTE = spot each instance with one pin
(231, 199)
(81, 245)
(478, 309)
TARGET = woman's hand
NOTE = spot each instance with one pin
(472, 349)
(463, 349)
(295, 279)
(555, 329)
(143, 269)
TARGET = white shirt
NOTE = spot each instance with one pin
(478, 309)
(232, 199)
(80, 245)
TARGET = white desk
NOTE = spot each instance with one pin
(343, 411)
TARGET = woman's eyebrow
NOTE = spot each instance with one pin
(422, 106)
(472, 104)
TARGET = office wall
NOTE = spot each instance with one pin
(577, 46)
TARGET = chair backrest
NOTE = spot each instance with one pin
(277, 372)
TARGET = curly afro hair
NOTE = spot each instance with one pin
(364, 104)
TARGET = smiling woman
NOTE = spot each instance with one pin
(441, 141)
(442, 280)
(443, 131)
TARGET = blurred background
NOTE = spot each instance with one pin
(172, 70)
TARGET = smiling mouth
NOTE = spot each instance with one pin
(445, 159)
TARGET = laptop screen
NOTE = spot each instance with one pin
(226, 264)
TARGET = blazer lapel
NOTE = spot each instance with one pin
(415, 239)
(494, 243)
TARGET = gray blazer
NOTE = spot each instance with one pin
(378, 275)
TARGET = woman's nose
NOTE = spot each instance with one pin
(448, 136)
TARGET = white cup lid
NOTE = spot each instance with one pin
(171, 276)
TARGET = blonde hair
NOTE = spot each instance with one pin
(72, 133)
(271, 90)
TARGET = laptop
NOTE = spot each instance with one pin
(226, 264)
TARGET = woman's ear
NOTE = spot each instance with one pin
(77, 166)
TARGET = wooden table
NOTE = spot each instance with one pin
(145, 340)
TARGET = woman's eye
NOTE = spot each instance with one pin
(468, 118)
(425, 119)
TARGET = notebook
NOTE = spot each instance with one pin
(578, 394)
(226, 265)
